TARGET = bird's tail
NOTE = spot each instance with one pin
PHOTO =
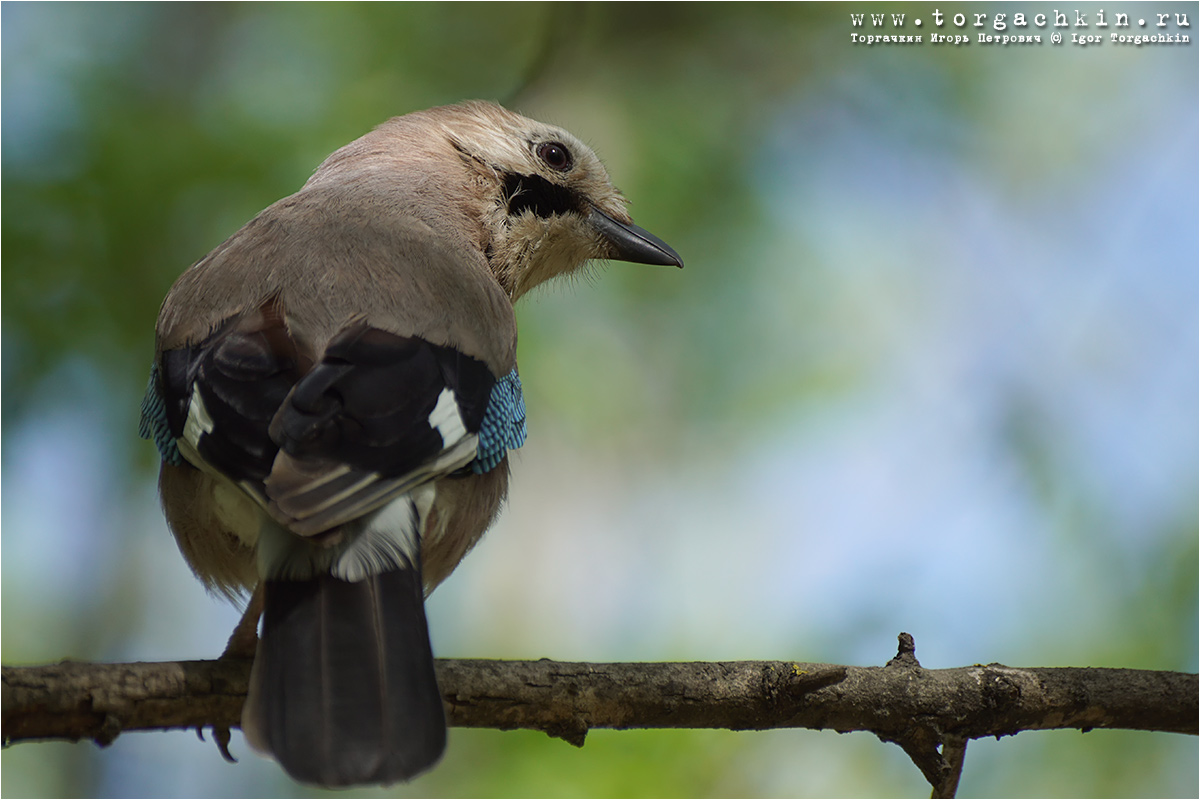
(343, 690)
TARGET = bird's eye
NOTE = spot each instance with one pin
(555, 155)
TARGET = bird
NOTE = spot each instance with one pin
(334, 395)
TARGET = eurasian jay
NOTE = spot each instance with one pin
(334, 393)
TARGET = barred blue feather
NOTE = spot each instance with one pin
(153, 424)
(503, 426)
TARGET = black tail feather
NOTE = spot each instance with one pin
(343, 690)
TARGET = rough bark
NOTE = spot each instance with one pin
(930, 713)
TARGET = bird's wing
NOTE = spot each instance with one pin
(319, 442)
(379, 415)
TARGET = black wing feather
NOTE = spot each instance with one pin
(242, 374)
(300, 430)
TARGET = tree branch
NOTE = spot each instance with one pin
(930, 713)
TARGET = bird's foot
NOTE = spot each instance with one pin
(243, 642)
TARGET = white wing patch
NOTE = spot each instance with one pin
(198, 420)
(447, 420)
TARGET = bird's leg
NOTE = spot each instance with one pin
(244, 639)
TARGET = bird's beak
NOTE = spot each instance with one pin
(631, 243)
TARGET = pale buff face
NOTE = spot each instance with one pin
(524, 194)
(528, 166)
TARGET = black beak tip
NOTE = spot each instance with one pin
(634, 244)
(670, 257)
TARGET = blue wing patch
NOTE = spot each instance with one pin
(503, 426)
(154, 425)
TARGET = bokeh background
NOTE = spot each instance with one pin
(931, 367)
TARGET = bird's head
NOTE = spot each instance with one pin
(549, 205)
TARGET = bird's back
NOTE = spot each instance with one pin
(329, 256)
